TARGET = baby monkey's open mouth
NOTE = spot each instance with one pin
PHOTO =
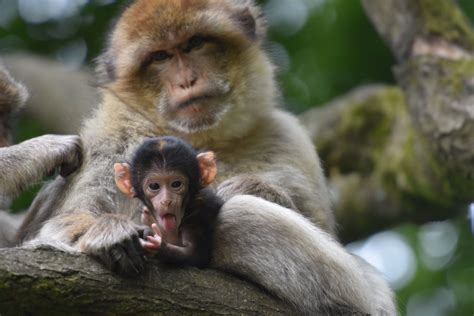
(167, 221)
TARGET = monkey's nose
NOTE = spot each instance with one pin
(166, 202)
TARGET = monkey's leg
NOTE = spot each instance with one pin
(295, 260)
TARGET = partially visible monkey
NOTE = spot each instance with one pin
(196, 69)
(13, 96)
(27, 163)
(171, 179)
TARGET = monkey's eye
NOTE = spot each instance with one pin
(154, 186)
(176, 184)
(160, 55)
(195, 42)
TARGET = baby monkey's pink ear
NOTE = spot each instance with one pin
(207, 167)
(123, 179)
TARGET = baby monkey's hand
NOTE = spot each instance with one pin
(152, 243)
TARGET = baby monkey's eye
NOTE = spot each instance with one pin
(176, 184)
(154, 186)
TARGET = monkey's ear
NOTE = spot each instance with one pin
(207, 167)
(123, 179)
(251, 19)
(105, 72)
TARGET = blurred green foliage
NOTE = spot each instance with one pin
(323, 48)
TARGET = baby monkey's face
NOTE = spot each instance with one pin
(167, 190)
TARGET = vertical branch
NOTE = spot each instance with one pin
(434, 44)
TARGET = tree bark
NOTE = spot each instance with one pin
(394, 155)
(381, 171)
(49, 282)
(436, 72)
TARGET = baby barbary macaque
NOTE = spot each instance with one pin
(171, 180)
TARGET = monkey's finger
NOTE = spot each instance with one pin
(156, 229)
(142, 242)
(156, 240)
(150, 247)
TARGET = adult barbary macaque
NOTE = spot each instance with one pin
(196, 69)
(170, 178)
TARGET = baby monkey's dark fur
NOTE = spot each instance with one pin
(199, 206)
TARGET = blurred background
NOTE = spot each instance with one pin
(323, 49)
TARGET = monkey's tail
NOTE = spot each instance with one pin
(296, 261)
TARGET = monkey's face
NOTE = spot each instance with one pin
(186, 61)
(167, 191)
(194, 87)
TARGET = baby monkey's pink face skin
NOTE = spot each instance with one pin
(166, 190)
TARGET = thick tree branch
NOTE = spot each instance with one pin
(381, 171)
(437, 76)
(388, 159)
(45, 281)
(407, 24)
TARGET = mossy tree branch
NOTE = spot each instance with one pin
(396, 154)
(436, 72)
(380, 169)
(49, 282)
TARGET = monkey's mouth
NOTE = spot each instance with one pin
(167, 221)
(193, 101)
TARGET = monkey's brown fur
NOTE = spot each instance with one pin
(262, 150)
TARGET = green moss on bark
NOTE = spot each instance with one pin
(445, 19)
(364, 129)
(379, 142)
